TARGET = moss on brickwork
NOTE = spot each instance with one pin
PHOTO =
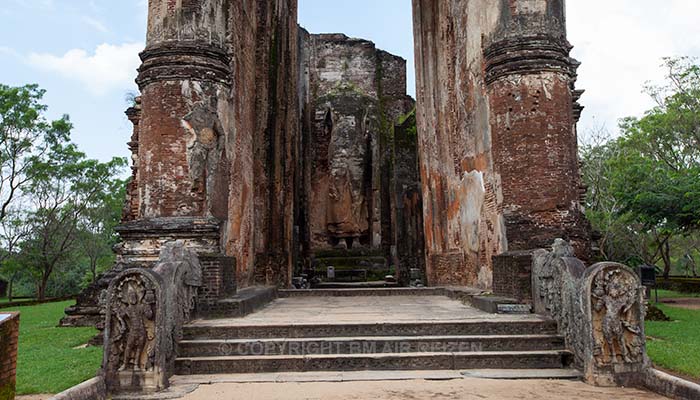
(7, 392)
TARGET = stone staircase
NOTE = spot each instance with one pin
(503, 343)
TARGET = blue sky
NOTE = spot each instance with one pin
(85, 52)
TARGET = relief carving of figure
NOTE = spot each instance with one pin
(618, 334)
(133, 327)
(347, 209)
(204, 129)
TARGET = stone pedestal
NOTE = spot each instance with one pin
(512, 276)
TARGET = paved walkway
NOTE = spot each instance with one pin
(689, 303)
(462, 389)
(363, 309)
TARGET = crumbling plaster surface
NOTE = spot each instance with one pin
(225, 91)
(460, 188)
(494, 100)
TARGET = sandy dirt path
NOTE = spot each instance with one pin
(462, 389)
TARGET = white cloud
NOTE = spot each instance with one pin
(621, 44)
(9, 51)
(111, 67)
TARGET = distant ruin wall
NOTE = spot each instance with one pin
(356, 95)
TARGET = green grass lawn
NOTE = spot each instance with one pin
(670, 294)
(6, 300)
(48, 361)
(675, 345)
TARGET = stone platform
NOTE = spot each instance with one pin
(418, 305)
(395, 330)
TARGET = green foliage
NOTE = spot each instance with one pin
(673, 345)
(69, 205)
(68, 192)
(50, 359)
(25, 135)
(644, 187)
(660, 193)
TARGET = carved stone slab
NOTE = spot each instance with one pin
(614, 313)
(134, 332)
(146, 310)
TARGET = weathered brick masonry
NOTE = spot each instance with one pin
(9, 336)
(512, 275)
(230, 95)
(226, 94)
(498, 147)
(530, 78)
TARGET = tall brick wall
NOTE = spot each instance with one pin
(9, 337)
(275, 141)
(216, 126)
(461, 191)
(225, 97)
(496, 132)
(530, 79)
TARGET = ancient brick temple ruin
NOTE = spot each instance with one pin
(281, 142)
(261, 145)
(262, 151)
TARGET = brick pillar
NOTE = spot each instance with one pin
(131, 207)
(9, 335)
(185, 84)
(530, 79)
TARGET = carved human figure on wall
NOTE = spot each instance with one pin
(347, 209)
(614, 298)
(134, 316)
(203, 144)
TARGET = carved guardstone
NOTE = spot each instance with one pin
(599, 310)
(134, 332)
(614, 312)
(146, 310)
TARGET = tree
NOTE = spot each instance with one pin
(646, 184)
(23, 134)
(13, 231)
(96, 228)
(65, 187)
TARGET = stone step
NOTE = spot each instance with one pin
(365, 345)
(362, 292)
(548, 359)
(217, 329)
(355, 285)
(370, 376)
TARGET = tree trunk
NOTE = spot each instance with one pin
(93, 269)
(41, 291)
(9, 288)
(666, 256)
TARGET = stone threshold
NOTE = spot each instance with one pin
(476, 298)
(369, 376)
